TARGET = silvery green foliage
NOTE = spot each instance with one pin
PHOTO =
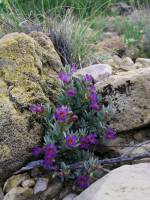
(74, 127)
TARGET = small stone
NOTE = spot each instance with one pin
(100, 72)
(70, 196)
(28, 183)
(41, 185)
(15, 181)
(18, 193)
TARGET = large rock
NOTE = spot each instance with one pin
(19, 193)
(28, 71)
(121, 64)
(130, 94)
(112, 45)
(129, 182)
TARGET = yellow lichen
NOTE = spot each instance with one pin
(5, 152)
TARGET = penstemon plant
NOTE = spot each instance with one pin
(74, 128)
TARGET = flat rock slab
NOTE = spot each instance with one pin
(129, 182)
(130, 96)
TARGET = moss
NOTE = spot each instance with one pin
(28, 92)
(26, 73)
(23, 61)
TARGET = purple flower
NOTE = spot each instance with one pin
(73, 67)
(37, 150)
(110, 134)
(47, 162)
(83, 182)
(92, 93)
(64, 77)
(84, 142)
(50, 151)
(71, 92)
(92, 138)
(89, 78)
(61, 113)
(92, 88)
(92, 96)
(74, 118)
(94, 106)
(36, 108)
(71, 140)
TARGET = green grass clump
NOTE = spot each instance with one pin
(74, 39)
(74, 26)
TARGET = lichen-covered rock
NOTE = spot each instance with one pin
(18, 193)
(28, 71)
(14, 181)
(130, 94)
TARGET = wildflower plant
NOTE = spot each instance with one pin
(73, 128)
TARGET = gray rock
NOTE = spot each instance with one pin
(41, 185)
(70, 196)
(128, 182)
(28, 183)
(100, 72)
(121, 64)
(130, 95)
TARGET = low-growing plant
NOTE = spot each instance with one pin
(73, 129)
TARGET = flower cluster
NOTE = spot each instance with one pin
(62, 113)
(86, 141)
(49, 151)
(72, 128)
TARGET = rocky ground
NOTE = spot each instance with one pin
(28, 74)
